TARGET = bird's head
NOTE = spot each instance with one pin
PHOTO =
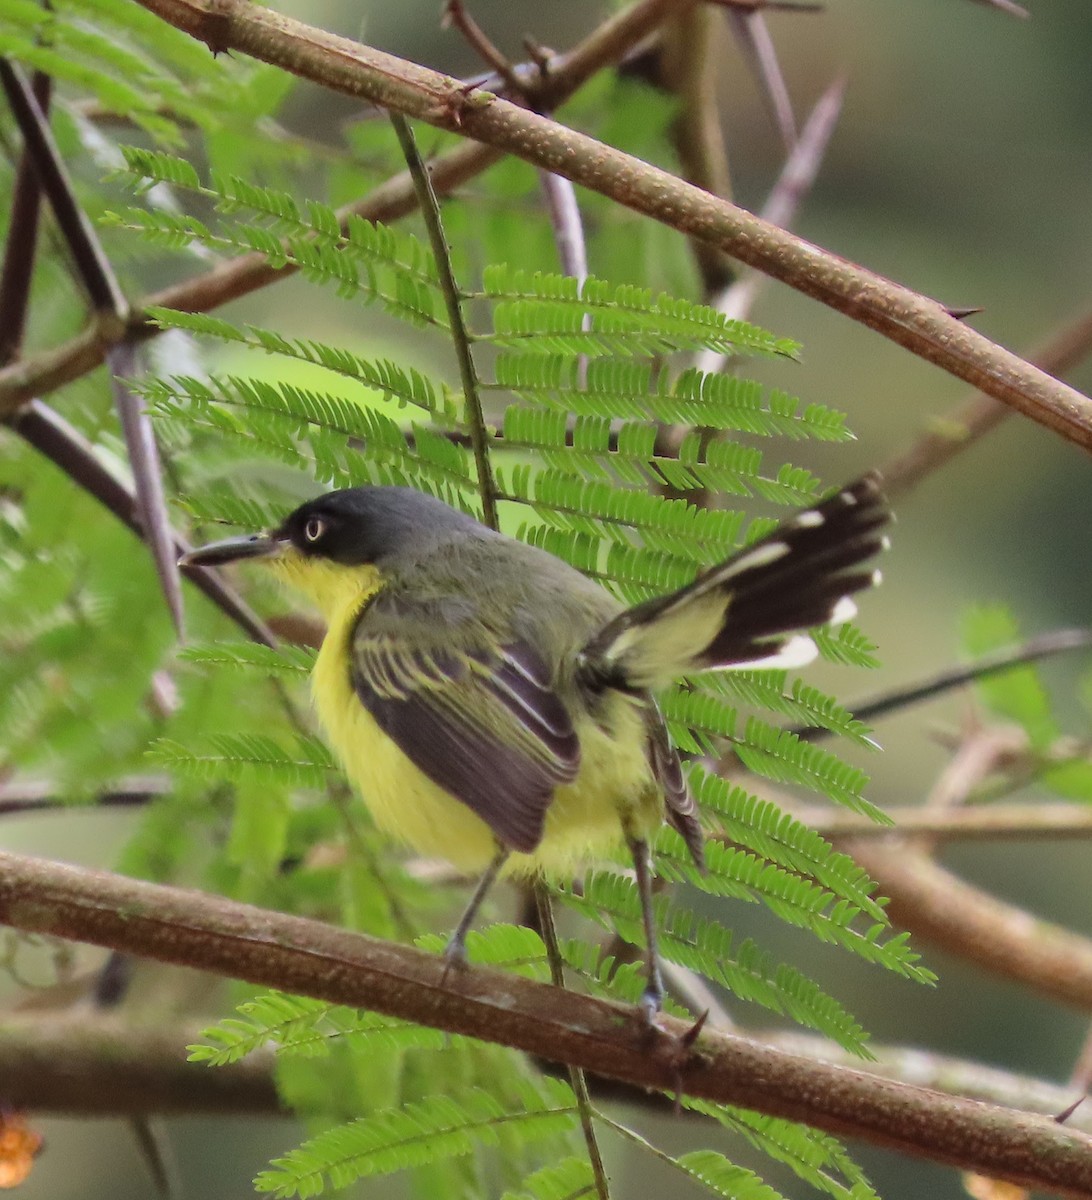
(341, 544)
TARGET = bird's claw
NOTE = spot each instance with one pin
(454, 959)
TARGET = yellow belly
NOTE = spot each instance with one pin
(585, 818)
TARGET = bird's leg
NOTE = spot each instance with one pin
(455, 950)
(652, 998)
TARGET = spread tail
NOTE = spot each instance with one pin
(750, 611)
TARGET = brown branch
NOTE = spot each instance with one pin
(17, 273)
(753, 36)
(85, 1064)
(942, 1073)
(970, 421)
(43, 373)
(978, 823)
(92, 267)
(19, 797)
(934, 904)
(312, 959)
(915, 322)
(89, 1065)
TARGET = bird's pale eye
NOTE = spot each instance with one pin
(314, 529)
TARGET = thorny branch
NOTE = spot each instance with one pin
(312, 959)
(915, 322)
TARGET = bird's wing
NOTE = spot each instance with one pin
(480, 719)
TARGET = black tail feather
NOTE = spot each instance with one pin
(797, 577)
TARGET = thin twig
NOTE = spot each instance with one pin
(978, 822)
(456, 15)
(92, 267)
(978, 415)
(312, 959)
(22, 798)
(50, 434)
(793, 185)
(1046, 645)
(753, 35)
(915, 322)
(577, 1078)
(22, 241)
(460, 335)
(147, 470)
(101, 284)
(605, 46)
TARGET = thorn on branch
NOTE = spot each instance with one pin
(214, 30)
(1069, 1110)
(456, 16)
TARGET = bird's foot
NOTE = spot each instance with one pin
(455, 958)
(650, 1006)
(675, 1050)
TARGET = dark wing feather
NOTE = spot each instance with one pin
(681, 808)
(481, 720)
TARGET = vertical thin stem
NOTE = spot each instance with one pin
(460, 336)
(91, 263)
(22, 241)
(577, 1078)
(147, 467)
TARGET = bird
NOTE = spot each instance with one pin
(497, 708)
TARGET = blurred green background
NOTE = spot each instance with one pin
(962, 167)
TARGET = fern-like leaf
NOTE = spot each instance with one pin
(245, 756)
(777, 836)
(733, 874)
(347, 442)
(781, 755)
(547, 312)
(405, 386)
(569, 1179)
(816, 1157)
(441, 1126)
(707, 947)
(307, 1028)
(282, 659)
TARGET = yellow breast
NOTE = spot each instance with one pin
(584, 818)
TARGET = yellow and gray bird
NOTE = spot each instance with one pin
(496, 708)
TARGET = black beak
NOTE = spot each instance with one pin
(256, 545)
